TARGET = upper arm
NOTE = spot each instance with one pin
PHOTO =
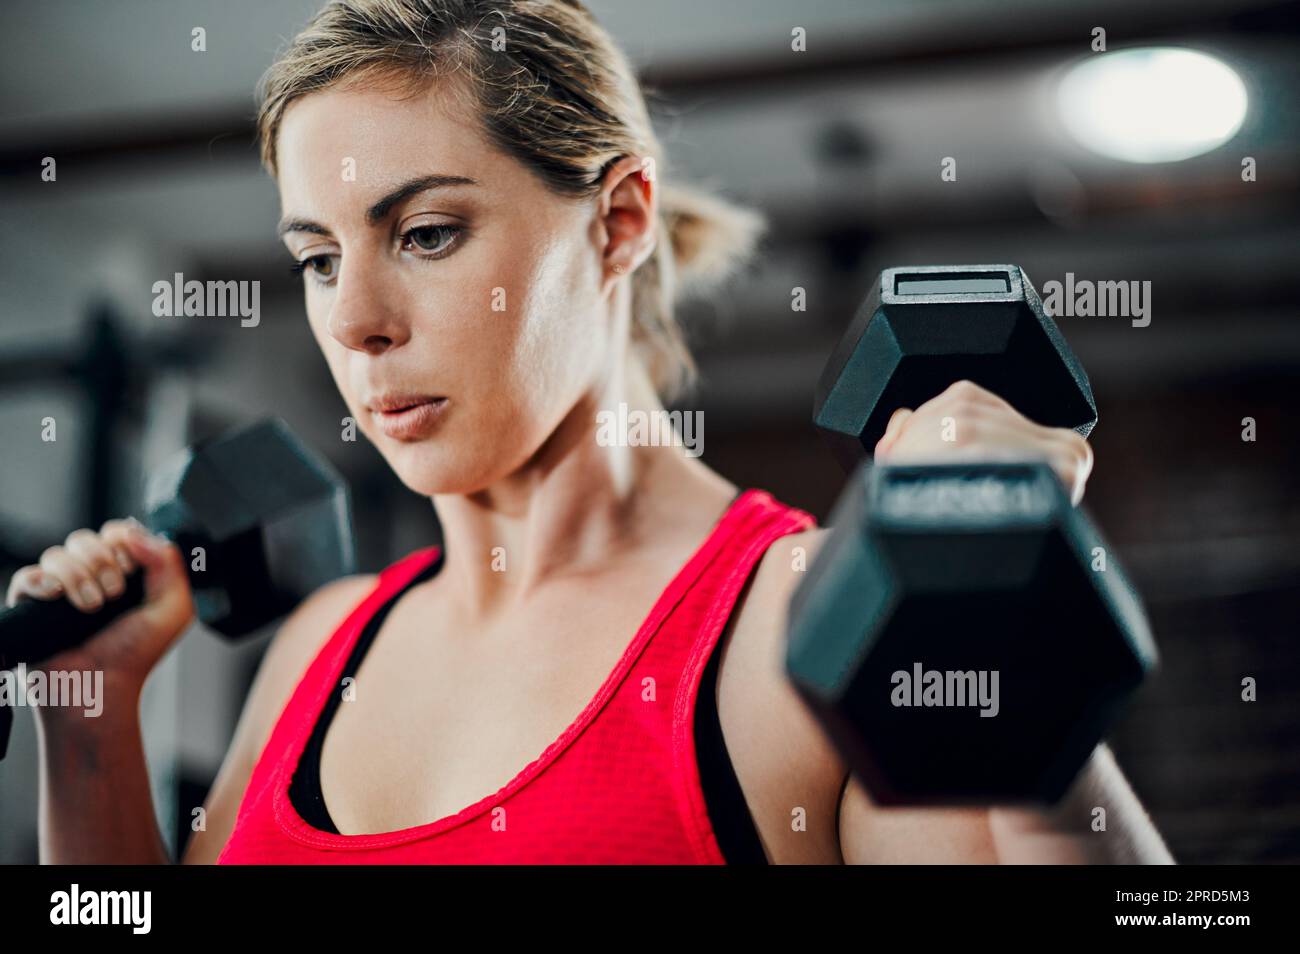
(789, 771)
(295, 645)
(793, 743)
(873, 834)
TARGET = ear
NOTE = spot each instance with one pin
(628, 213)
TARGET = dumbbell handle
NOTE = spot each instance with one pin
(34, 630)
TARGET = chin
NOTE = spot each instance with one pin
(427, 469)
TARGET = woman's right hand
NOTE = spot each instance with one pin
(89, 570)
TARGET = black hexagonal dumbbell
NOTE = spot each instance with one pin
(965, 636)
(261, 520)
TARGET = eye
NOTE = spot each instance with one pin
(321, 266)
(432, 239)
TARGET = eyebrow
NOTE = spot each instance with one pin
(376, 213)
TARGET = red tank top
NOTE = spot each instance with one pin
(619, 786)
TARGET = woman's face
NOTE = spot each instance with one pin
(440, 270)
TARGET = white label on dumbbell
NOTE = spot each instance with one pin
(955, 496)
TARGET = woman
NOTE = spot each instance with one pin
(473, 193)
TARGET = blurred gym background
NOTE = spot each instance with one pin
(841, 145)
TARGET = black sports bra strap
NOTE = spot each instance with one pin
(305, 789)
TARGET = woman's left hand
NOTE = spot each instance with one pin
(967, 422)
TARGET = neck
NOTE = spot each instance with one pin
(576, 507)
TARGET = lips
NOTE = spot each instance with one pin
(407, 417)
(387, 403)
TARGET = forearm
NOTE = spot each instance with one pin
(96, 806)
(1067, 833)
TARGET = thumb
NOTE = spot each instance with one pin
(167, 598)
(892, 430)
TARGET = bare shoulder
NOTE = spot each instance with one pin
(300, 637)
(783, 566)
(779, 572)
(790, 773)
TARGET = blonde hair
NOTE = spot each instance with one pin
(555, 92)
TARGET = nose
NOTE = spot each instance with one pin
(362, 318)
